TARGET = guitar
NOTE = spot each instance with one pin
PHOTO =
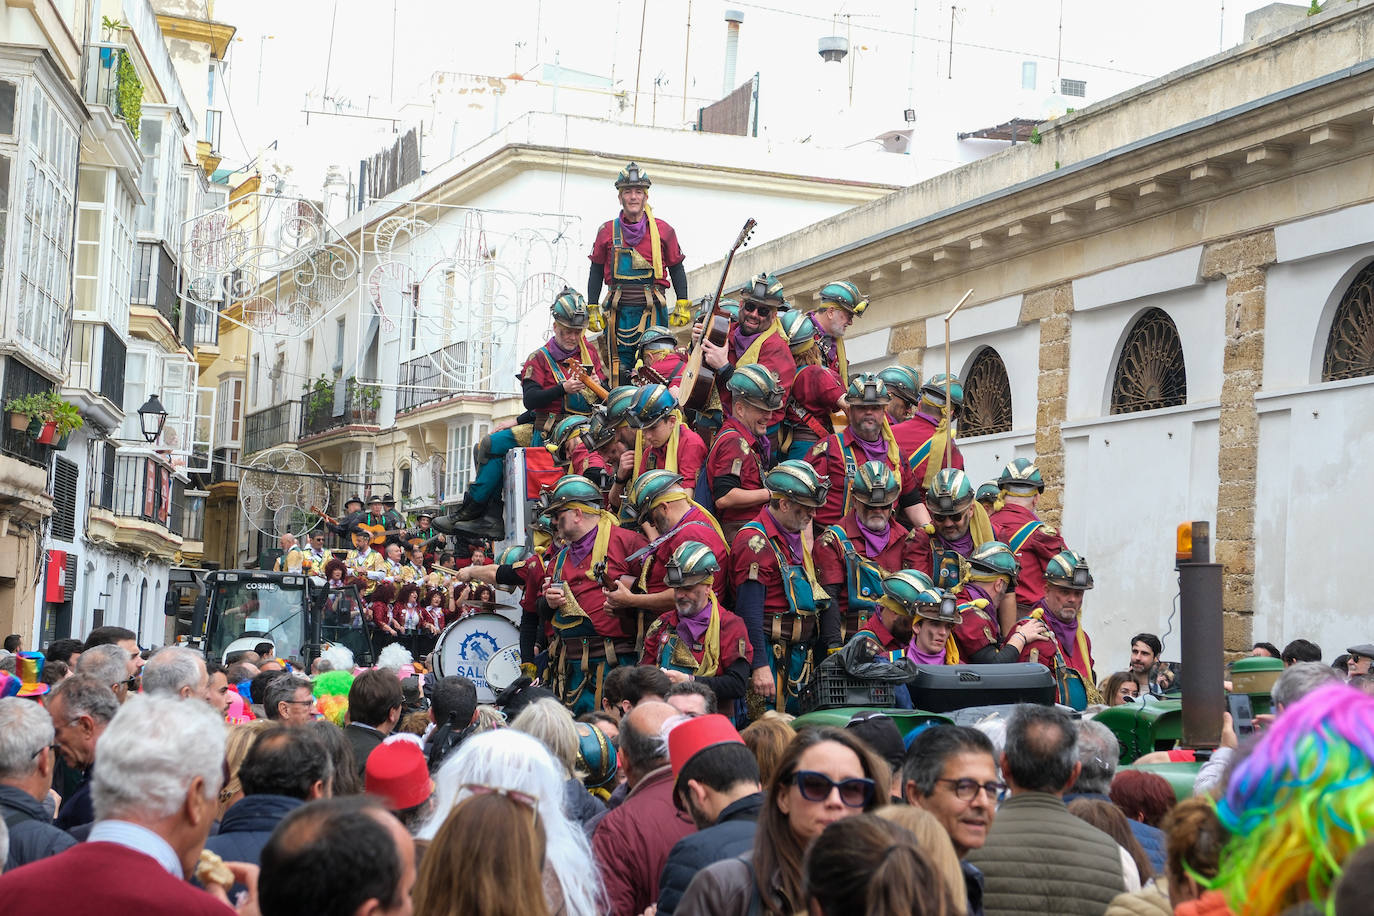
(698, 379)
(645, 375)
(377, 534)
(584, 374)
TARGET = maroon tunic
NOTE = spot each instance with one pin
(694, 526)
(774, 355)
(1037, 550)
(914, 432)
(829, 461)
(899, 554)
(667, 245)
(538, 367)
(734, 641)
(735, 454)
(589, 592)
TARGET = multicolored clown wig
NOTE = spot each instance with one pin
(1299, 804)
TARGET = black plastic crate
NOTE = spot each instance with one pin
(830, 691)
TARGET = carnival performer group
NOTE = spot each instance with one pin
(741, 543)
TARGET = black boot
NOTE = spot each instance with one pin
(491, 525)
(467, 510)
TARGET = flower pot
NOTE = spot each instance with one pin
(62, 441)
(46, 432)
(19, 421)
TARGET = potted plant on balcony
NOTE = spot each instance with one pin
(68, 419)
(366, 401)
(319, 404)
(23, 410)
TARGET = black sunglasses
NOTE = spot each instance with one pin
(816, 787)
(941, 517)
(761, 308)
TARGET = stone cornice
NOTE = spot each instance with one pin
(215, 34)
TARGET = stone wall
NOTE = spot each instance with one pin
(1053, 308)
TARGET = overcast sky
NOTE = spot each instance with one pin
(344, 48)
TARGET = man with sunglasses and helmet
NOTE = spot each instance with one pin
(757, 337)
(741, 453)
(986, 597)
(698, 640)
(1065, 647)
(958, 525)
(775, 585)
(1015, 523)
(550, 393)
(925, 435)
(635, 256)
(854, 556)
(868, 437)
(904, 384)
(589, 638)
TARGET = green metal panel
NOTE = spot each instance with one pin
(906, 719)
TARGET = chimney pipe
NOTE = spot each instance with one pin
(733, 18)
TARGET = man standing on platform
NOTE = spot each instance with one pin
(1015, 523)
(589, 637)
(868, 437)
(924, 437)
(776, 590)
(635, 255)
(854, 556)
(841, 303)
(742, 453)
(757, 337)
(904, 384)
(698, 640)
(1066, 649)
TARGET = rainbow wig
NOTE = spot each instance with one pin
(1299, 804)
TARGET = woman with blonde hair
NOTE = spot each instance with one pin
(935, 843)
(490, 826)
(767, 740)
(550, 721)
(509, 761)
(239, 742)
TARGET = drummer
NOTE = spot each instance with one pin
(523, 568)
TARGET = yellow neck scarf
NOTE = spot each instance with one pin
(894, 455)
(751, 355)
(710, 643)
(939, 440)
(672, 497)
(980, 526)
(843, 361)
(653, 242)
(670, 451)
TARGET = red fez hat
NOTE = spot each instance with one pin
(697, 734)
(397, 773)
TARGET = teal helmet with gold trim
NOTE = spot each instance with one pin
(798, 481)
(692, 563)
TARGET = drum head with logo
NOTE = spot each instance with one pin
(467, 646)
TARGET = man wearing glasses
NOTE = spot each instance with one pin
(26, 744)
(81, 707)
(951, 771)
(757, 337)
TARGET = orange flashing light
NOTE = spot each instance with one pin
(1184, 548)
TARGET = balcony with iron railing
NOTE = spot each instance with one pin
(155, 282)
(110, 78)
(141, 490)
(95, 377)
(322, 412)
(206, 322)
(224, 466)
(450, 372)
(20, 380)
(271, 427)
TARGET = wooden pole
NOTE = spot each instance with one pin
(949, 407)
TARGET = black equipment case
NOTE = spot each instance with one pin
(942, 688)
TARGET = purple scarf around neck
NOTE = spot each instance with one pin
(916, 655)
(792, 539)
(1066, 633)
(873, 451)
(633, 233)
(579, 549)
(875, 542)
(744, 341)
(963, 547)
(558, 353)
(693, 627)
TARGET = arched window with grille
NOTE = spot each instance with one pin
(987, 396)
(1350, 343)
(1150, 373)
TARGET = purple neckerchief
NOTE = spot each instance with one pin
(935, 419)
(792, 539)
(580, 548)
(875, 541)
(1065, 632)
(558, 353)
(921, 658)
(873, 451)
(963, 547)
(742, 341)
(692, 628)
(765, 449)
(632, 233)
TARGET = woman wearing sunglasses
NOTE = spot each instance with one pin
(824, 776)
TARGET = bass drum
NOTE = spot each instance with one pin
(467, 645)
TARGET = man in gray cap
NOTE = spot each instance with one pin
(1360, 658)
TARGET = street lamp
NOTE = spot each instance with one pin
(151, 417)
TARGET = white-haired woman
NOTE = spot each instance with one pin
(513, 762)
(551, 722)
